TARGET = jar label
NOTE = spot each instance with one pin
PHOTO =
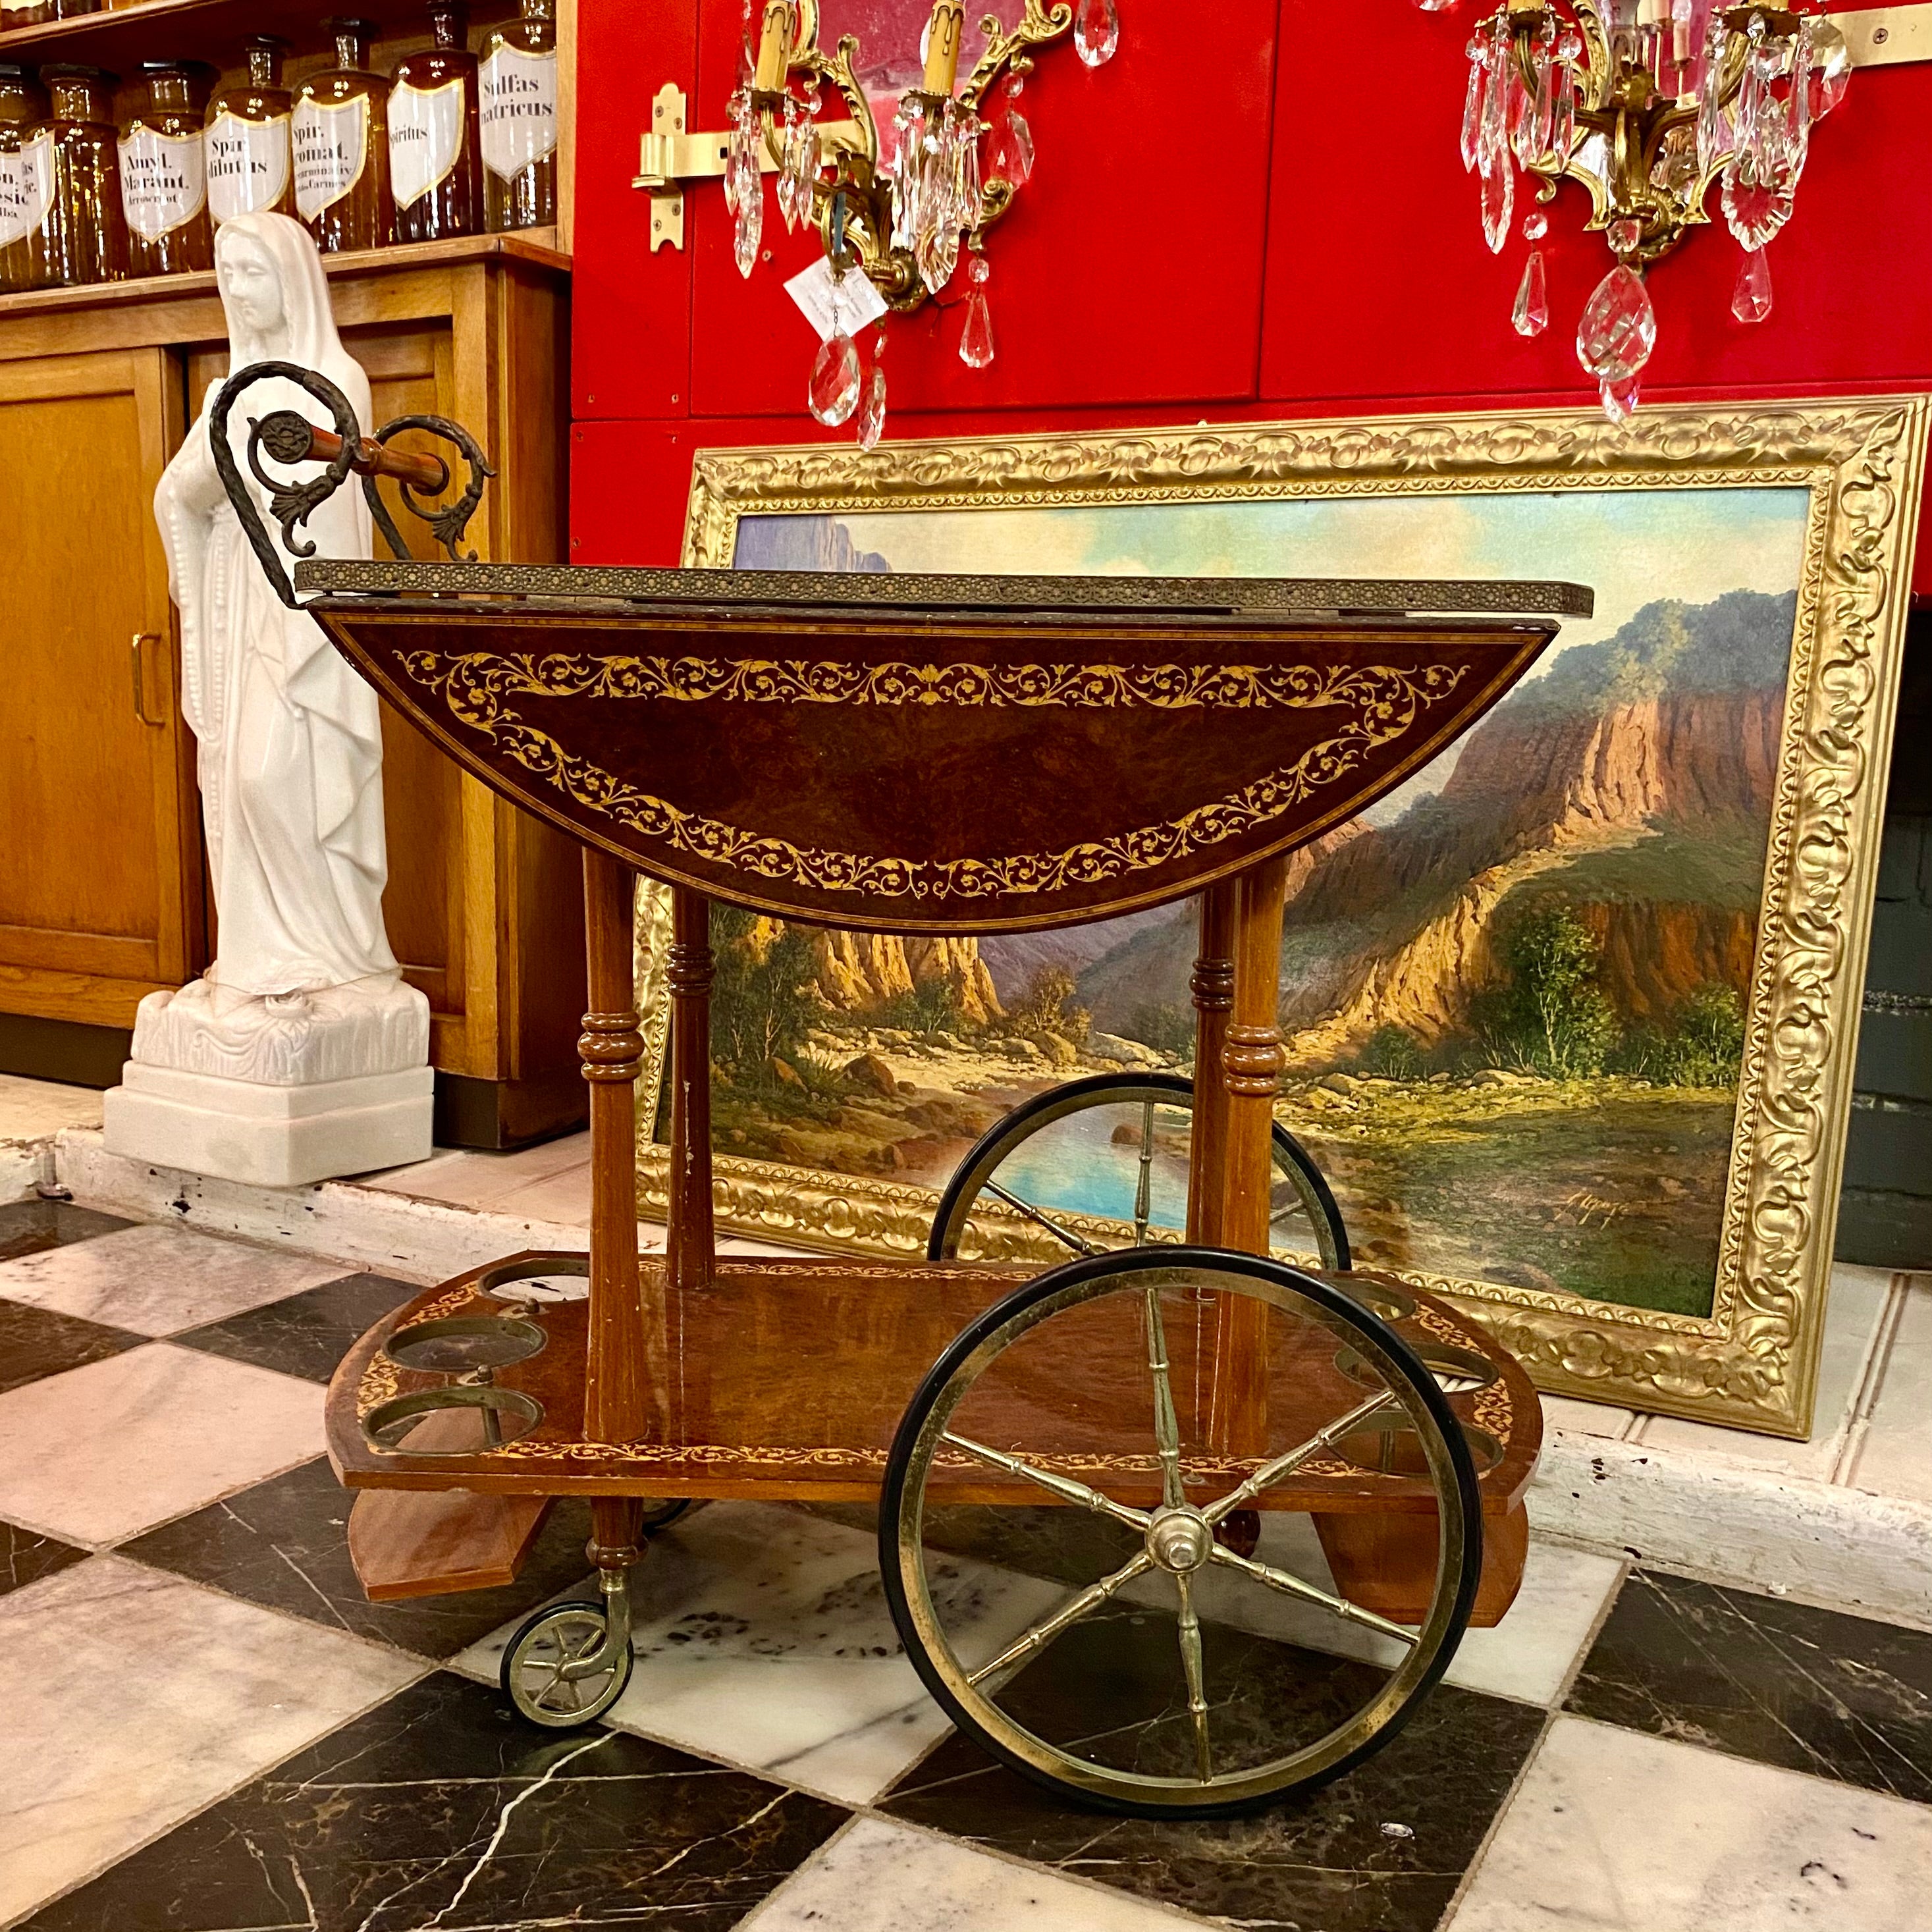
(163, 183)
(248, 164)
(518, 110)
(426, 125)
(26, 188)
(331, 141)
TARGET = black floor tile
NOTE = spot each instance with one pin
(1815, 1691)
(27, 1227)
(38, 1341)
(25, 1556)
(441, 1808)
(306, 1334)
(1322, 1860)
(285, 1544)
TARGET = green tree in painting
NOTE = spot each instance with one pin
(1049, 1005)
(932, 1006)
(764, 998)
(1394, 1053)
(1704, 1046)
(1550, 1016)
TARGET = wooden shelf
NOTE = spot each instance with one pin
(209, 30)
(535, 245)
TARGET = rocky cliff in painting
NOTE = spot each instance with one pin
(1633, 781)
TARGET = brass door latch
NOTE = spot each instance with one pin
(668, 157)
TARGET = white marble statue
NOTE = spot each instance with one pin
(302, 1046)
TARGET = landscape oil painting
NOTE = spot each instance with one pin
(1524, 997)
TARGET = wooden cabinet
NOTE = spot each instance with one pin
(100, 870)
(103, 896)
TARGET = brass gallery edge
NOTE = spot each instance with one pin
(1753, 1362)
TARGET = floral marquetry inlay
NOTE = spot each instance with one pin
(1380, 703)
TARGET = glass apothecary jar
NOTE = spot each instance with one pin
(517, 82)
(83, 236)
(164, 172)
(339, 134)
(250, 171)
(26, 174)
(434, 171)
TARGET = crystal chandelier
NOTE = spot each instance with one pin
(1649, 104)
(903, 210)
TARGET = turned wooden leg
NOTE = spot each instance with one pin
(1251, 1063)
(611, 1048)
(690, 1253)
(1214, 989)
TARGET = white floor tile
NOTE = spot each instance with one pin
(133, 1699)
(30, 1109)
(1895, 1458)
(101, 1453)
(562, 1197)
(474, 1179)
(881, 1877)
(1528, 1656)
(1587, 1418)
(1852, 1315)
(762, 1636)
(159, 1280)
(1614, 1832)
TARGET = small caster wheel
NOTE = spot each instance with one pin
(657, 1515)
(538, 1656)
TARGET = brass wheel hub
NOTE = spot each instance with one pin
(1179, 1539)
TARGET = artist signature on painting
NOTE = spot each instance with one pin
(1583, 1204)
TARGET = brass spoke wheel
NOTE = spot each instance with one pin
(1114, 1145)
(1150, 1400)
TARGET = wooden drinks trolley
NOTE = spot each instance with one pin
(970, 756)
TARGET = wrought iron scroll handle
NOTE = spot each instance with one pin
(447, 522)
(288, 438)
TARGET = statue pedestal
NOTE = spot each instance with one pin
(277, 1092)
(269, 1136)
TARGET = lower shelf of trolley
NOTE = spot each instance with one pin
(785, 1380)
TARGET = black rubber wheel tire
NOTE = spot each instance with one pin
(1097, 1089)
(528, 1628)
(892, 1497)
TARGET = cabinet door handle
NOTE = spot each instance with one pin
(140, 681)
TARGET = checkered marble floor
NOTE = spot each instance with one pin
(208, 1729)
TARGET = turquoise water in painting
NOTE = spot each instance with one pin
(1074, 1166)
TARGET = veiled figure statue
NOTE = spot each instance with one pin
(304, 988)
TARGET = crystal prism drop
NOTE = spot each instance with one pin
(1009, 149)
(834, 393)
(1472, 106)
(1499, 182)
(1751, 300)
(872, 409)
(1619, 399)
(1618, 329)
(1097, 31)
(1531, 315)
(749, 224)
(1754, 210)
(975, 339)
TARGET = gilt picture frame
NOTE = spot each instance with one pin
(1777, 538)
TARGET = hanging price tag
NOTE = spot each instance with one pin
(831, 305)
